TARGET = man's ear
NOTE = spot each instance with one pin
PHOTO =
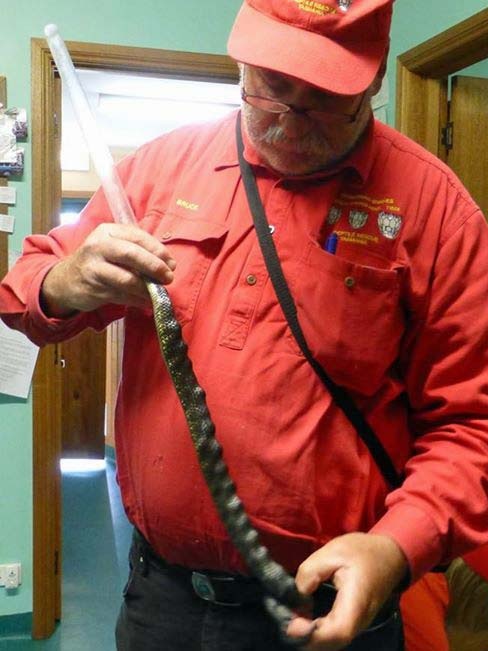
(378, 80)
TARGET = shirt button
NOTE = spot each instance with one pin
(166, 236)
(251, 280)
(349, 282)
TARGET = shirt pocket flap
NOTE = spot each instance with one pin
(194, 243)
(169, 227)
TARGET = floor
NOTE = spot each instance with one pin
(96, 539)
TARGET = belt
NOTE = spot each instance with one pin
(238, 590)
(217, 587)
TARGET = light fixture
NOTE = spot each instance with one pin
(84, 466)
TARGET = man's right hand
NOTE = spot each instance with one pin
(107, 268)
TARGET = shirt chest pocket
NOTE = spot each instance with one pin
(194, 244)
(351, 316)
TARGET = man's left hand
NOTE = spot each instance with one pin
(365, 569)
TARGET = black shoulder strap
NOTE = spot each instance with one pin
(340, 395)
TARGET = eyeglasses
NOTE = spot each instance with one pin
(272, 106)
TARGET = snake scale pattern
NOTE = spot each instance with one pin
(282, 595)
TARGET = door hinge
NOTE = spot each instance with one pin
(59, 360)
(447, 135)
(56, 562)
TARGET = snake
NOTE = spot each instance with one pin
(281, 596)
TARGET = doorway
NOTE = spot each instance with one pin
(422, 72)
(46, 194)
(130, 110)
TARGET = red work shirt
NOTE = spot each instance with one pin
(397, 316)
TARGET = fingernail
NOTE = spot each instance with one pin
(168, 276)
(305, 630)
(171, 264)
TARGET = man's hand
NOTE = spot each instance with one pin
(107, 268)
(365, 569)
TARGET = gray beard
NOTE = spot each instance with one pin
(312, 144)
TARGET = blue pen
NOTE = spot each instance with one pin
(331, 243)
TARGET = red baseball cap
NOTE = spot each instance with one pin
(336, 45)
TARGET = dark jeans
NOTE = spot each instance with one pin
(161, 612)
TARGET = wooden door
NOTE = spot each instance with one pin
(82, 364)
(469, 154)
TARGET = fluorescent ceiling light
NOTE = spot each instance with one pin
(132, 109)
(74, 155)
(114, 83)
(157, 110)
(82, 465)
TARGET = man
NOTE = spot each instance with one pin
(396, 315)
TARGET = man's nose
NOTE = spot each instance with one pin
(294, 124)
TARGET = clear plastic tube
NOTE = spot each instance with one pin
(99, 152)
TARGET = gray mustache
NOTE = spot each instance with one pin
(310, 142)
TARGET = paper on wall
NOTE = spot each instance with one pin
(8, 195)
(7, 223)
(18, 358)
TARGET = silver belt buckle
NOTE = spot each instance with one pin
(204, 589)
(203, 586)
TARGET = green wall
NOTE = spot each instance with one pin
(192, 25)
(477, 70)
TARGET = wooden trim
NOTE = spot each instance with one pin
(458, 47)
(46, 194)
(421, 107)
(45, 123)
(421, 103)
(45, 388)
(115, 342)
(149, 61)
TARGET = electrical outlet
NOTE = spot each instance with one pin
(10, 576)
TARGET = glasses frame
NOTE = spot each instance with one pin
(279, 108)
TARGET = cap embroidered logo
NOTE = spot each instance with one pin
(314, 7)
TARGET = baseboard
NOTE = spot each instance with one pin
(16, 625)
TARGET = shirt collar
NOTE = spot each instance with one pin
(359, 161)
